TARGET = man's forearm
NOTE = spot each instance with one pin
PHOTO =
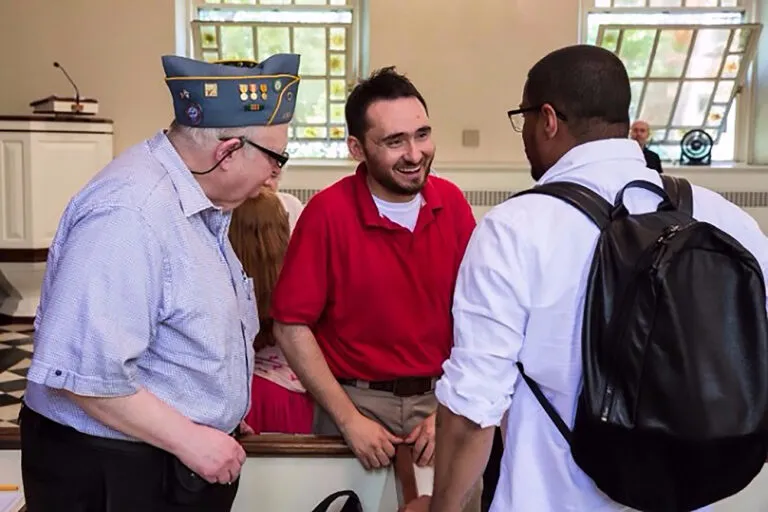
(307, 361)
(142, 416)
(461, 454)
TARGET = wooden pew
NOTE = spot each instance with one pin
(288, 472)
(295, 473)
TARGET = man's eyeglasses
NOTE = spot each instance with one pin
(280, 158)
(517, 118)
(238, 63)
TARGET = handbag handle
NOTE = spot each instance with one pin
(352, 504)
(404, 472)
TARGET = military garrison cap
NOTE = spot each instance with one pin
(228, 94)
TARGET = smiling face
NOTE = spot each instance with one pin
(397, 148)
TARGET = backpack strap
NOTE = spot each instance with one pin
(548, 407)
(680, 192)
(580, 197)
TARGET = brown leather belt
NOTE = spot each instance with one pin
(402, 387)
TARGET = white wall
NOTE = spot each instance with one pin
(487, 184)
(300, 483)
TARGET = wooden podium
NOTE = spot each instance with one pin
(44, 161)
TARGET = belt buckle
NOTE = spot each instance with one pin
(408, 386)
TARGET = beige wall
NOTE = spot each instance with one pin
(112, 48)
(470, 62)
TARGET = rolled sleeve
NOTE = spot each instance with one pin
(490, 312)
(101, 298)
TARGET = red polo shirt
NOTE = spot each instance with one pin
(376, 296)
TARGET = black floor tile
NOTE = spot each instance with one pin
(13, 385)
(10, 356)
(18, 343)
(8, 399)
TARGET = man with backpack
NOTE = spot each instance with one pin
(617, 318)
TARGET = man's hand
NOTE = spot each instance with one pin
(245, 429)
(420, 504)
(212, 454)
(423, 440)
(371, 443)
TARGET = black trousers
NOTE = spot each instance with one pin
(65, 470)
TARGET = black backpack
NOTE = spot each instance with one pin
(672, 414)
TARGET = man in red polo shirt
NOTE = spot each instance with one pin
(362, 308)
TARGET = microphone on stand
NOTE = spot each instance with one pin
(77, 107)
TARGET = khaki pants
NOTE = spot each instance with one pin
(399, 415)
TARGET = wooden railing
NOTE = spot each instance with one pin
(267, 445)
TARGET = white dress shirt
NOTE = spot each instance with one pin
(520, 296)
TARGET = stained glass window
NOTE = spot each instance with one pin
(324, 32)
(687, 61)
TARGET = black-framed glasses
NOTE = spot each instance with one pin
(517, 118)
(238, 63)
(280, 158)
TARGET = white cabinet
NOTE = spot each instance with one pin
(44, 161)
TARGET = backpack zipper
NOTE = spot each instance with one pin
(666, 235)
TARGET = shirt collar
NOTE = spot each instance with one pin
(370, 213)
(599, 151)
(193, 199)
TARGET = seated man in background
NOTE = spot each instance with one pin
(143, 337)
(362, 308)
(641, 132)
(259, 234)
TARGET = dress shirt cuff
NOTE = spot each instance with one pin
(476, 409)
(83, 385)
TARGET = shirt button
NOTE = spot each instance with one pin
(57, 372)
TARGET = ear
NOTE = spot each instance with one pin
(551, 125)
(355, 147)
(225, 148)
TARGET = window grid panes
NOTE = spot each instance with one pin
(666, 3)
(687, 61)
(322, 31)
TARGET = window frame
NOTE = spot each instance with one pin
(744, 125)
(356, 54)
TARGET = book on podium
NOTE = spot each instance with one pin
(65, 106)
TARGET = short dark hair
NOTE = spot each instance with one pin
(383, 84)
(589, 85)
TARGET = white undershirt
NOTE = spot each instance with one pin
(404, 214)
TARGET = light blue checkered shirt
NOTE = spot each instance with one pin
(143, 290)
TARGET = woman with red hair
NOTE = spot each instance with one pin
(259, 234)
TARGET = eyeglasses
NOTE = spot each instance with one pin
(517, 118)
(238, 63)
(280, 158)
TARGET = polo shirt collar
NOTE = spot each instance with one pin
(193, 199)
(370, 213)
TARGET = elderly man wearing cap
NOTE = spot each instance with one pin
(143, 346)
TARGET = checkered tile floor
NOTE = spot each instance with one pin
(15, 356)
